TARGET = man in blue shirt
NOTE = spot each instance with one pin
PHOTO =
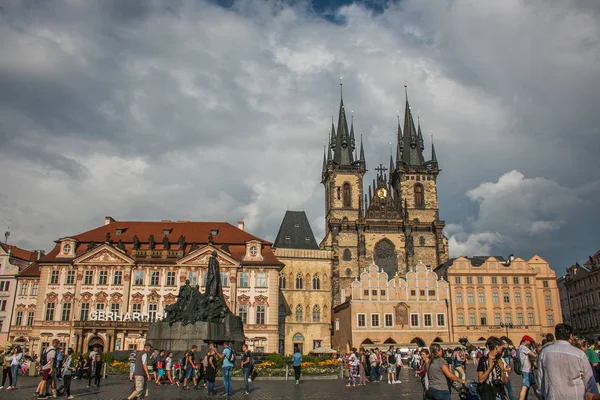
(296, 361)
(227, 367)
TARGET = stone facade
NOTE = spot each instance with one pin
(489, 293)
(13, 260)
(402, 311)
(305, 301)
(580, 291)
(90, 294)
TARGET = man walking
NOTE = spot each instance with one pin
(228, 357)
(564, 371)
(525, 355)
(47, 369)
(190, 364)
(140, 373)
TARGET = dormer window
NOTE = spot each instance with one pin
(120, 231)
(287, 238)
(253, 251)
(166, 232)
(307, 238)
(214, 232)
(66, 248)
(296, 225)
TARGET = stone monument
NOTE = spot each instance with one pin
(198, 318)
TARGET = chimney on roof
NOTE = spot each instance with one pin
(109, 220)
(40, 253)
(241, 225)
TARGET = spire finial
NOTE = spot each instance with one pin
(341, 88)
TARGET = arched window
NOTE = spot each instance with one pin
(299, 281)
(385, 257)
(347, 255)
(282, 281)
(298, 313)
(421, 241)
(348, 272)
(316, 282)
(316, 314)
(419, 199)
(347, 197)
(282, 314)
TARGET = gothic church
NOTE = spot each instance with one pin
(395, 223)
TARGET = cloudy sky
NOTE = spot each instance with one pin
(205, 111)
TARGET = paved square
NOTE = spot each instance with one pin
(117, 387)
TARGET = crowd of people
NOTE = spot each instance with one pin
(561, 366)
(192, 370)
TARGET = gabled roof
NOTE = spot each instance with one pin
(295, 232)
(19, 253)
(32, 271)
(122, 235)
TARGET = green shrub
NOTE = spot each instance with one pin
(276, 358)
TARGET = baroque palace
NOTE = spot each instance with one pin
(381, 275)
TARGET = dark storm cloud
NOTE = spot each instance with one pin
(187, 110)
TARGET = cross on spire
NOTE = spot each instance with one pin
(381, 169)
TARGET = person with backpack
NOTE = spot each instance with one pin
(247, 364)
(46, 369)
(391, 367)
(228, 358)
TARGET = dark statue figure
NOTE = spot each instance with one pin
(136, 242)
(166, 244)
(107, 237)
(91, 245)
(211, 238)
(192, 306)
(194, 246)
(151, 243)
(121, 245)
(225, 248)
(181, 242)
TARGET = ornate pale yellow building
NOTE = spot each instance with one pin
(305, 284)
(402, 311)
(489, 293)
(396, 225)
(102, 287)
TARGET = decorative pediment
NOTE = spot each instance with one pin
(20, 307)
(243, 300)
(154, 296)
(86, 296)
(116, 297)
(137, 297)
(51, 297)
(67, 297)
(170, 298)
(201, 257)
(104, 254)
(261, 300)
(101, 297)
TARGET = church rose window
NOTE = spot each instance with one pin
(419, 195)
(385, 257)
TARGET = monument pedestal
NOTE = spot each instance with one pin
(179, 337)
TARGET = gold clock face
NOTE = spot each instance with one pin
(382, 193)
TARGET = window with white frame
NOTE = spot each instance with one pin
(528, 298)
(260, 315)
(388, 320)
(88, 278)
(361, 320)
(460, 319)
(85, 311)
(136, 308)
(138, 279)
(19, 318)
(459, 298)
(520, 319)
(66, 312)
(470, 297)
(70, 278)
(30, 315)
(103, 277)
(54, 275)
(24, 289)
(261, 279)
(548, 299)
(441, 319)
(518, 297)
(152, 312)
(375, 320)
(472, 319)
(117, 278)
(427, 320)
(224, 279)
(114, 308)
(243, 279)
(243, 313)
(550, 320)
(170, 279)
(34, 289)
(414, 320)
(154, 278)
(497, 318)
(50, 311)
(481, 296)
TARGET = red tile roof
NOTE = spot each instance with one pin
(19, 253)
(32, 271)
(194, 232)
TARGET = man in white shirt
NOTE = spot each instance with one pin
(564, 371)
(47, 369)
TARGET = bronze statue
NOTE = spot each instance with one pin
(151, 243)
(136, 242)
(166, 244)
(192, 306)
(181, 242)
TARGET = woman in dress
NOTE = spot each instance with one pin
(211, 369)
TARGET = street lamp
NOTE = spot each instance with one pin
(507, 326)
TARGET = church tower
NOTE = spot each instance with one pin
(342, 176)
(395, 223)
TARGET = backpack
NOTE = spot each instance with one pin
(517, 364)
(392, 359)
(44, 357)
(231, 357)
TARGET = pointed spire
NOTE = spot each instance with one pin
(352, 141)
(324, 161)
(410, 154)
(342, 153)
(420, 136)
(391, 164)
(362, 152)
(332, 135)
(433, 155)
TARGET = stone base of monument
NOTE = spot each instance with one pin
(179, 337)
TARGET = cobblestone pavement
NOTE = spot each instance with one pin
(117, 387)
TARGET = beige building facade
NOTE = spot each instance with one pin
(13, 260)
(305, 285)
(103, 287)
(493, 296)
(394, 224)
(401, 311)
